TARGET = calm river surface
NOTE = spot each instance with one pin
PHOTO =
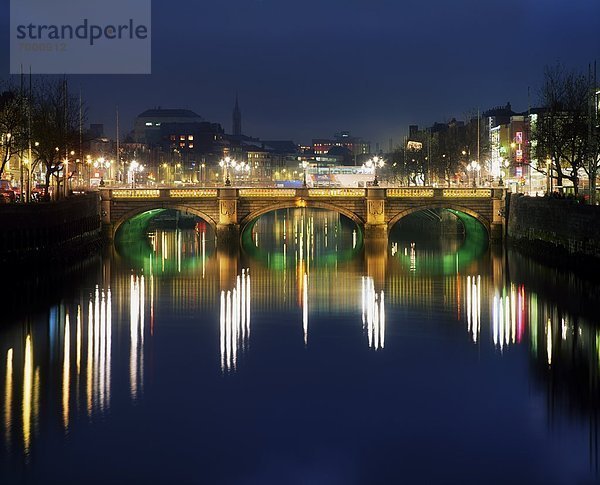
(303, 358)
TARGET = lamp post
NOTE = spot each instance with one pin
(134, 169)
(304, 167)
(372, 165)
(225, 164)
(474, 167)
(66, 177)
(242, 167)
(549, 175)
(104, 165)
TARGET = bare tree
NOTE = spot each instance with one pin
(561, 130)
(13, 128)
(55, 121)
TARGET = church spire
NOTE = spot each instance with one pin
(237, 118)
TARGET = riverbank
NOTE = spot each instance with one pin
(50, 231)
(560, 232)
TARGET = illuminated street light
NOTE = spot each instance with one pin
(474, 167)
(225, 164)
(304, 167)
(105, 165)
(134, 169)
(373, 164)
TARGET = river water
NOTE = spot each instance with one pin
(302, 357)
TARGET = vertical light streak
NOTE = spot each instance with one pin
(478, 304)
(382, 320)
(133, 335)
(363, 298)
(203, 254)
(179, 246)
(27, 391)
(234, 328)
(89, 360)
(495, 320)
(222, 330)
(36, 397)
(305, 308)
(8, 396)
(373, 313)
(66, 373)
(142, 322)
(95, 384)
(549, 341)
(243, 304)
(248, 303)
(469, 292)
(513, 320)
(234, 321)
(108, 344)
(228, 330)
(375, 337)
(507, 319)
(102, 361)
(78, 339)
(501, 322)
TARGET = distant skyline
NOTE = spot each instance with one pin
(308, 69)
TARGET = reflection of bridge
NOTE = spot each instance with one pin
(374, 209)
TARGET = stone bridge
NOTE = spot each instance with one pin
(229, 209)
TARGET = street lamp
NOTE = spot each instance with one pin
(242, 167)
(134, 169)
(225, 164)
(104, 165)
(304, 167)
(372, 165)
(474, 167)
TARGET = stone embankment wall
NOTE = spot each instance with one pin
(49, 230)
(553, 229)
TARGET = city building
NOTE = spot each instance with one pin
(355, 145)
(147, 126)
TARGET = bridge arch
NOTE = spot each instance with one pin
(153, 207)
(483, 221)
(247, 220)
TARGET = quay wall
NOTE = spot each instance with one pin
(559, 231)
(50, 230)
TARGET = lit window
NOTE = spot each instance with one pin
(191, 145)
(191, 137)
(149, 123)
(182, 137)
(182, 145)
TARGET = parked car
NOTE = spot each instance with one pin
(7, 191)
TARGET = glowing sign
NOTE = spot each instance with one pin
(519, 137)
(414, 145)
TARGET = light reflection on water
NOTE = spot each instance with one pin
(90, 356)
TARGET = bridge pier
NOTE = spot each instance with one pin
(376, 228)
(228, 228)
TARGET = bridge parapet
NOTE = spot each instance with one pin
(375, 209)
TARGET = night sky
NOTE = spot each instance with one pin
(307, 69)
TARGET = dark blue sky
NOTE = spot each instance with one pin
(310, 68)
